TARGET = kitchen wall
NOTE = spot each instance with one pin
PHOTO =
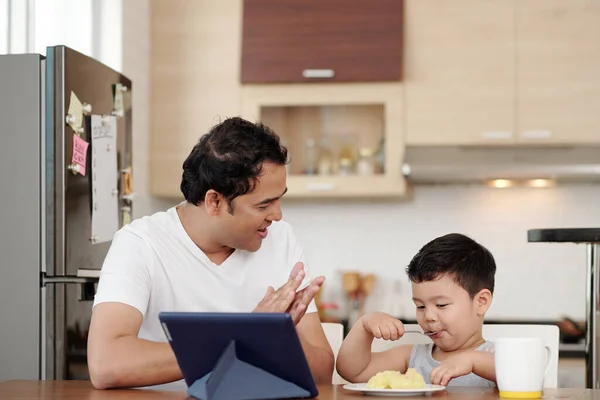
(534, 280)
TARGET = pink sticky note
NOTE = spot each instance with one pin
(80, 153)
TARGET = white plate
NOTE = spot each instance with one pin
(362, 387)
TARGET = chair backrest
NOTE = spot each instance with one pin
(335, 335)
(549, 333)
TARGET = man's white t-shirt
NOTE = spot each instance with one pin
(154, 266)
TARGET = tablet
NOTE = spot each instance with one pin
(268, 341)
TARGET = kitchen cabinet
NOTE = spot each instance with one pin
(558, 71)
(502, 73)
(459, 72)
(321, 40)
(195, 84)
(337, 121)
(194, 80)
(473, 73)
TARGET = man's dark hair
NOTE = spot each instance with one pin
(470, 264)
(229, 159)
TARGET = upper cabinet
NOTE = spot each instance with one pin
(194, 80)
(345, 139)
(482, 72)
(558, 71)
(321, 40)
(391, 73)
(459, 71)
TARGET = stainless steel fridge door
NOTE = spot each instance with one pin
(69, 201)
(21, 106)
(72, 355)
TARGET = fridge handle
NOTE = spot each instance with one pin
(47, 280)
(43, 334)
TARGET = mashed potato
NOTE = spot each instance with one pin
(395, 380)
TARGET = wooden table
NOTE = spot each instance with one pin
(83, 390)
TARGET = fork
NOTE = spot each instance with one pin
(422, 333)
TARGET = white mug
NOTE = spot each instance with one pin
(521, 366)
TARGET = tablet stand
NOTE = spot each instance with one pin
(234, 379)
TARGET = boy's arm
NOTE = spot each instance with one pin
(356, 362)
(481, 363)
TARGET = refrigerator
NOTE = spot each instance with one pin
(66, 187)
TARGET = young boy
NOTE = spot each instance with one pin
(452, 281)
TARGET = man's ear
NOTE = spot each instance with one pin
(483, 301)
(213, 202)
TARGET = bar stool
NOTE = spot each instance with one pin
(591, 237)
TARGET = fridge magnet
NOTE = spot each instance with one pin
(118, 104)
(79, 157)
(127, 183)
(74, 117)
(125, 215)
(86, 108)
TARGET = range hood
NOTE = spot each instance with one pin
(469, 164)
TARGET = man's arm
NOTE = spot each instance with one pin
(118, 358)
(316, 347)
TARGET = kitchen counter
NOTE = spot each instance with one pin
(76, 390)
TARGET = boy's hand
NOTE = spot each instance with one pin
(459, 365)
(382, 326)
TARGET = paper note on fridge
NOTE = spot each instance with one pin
(105, 193)
(75, 112)
(79, 153)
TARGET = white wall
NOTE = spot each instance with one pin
(533, 281)
(92, 27)
(64, 22)
(4, 35)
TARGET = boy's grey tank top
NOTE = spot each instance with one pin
(422, 360)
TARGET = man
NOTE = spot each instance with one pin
(224, 248)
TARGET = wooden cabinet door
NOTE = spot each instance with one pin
(558, 75)
(321, 40)
(194, 80)
(459, 72)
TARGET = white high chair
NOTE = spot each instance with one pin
(335, 335)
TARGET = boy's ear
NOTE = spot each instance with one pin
(483, 300)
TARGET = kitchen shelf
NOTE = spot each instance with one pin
(334, 116)
(379, 186)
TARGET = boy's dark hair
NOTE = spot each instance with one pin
(470, 264)
(228, 159)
